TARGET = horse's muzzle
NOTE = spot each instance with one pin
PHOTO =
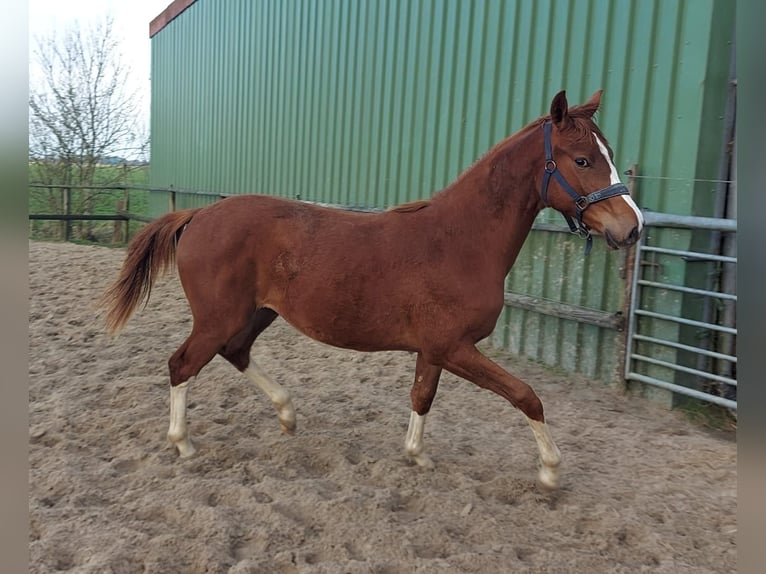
(629, 239)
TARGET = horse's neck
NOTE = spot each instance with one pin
(497, 199)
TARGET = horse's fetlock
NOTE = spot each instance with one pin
(176, 435)
(281, 399)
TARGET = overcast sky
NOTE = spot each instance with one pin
(131, 22)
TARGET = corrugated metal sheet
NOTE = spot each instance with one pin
(379, 102)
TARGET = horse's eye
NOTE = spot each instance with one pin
(582, 162)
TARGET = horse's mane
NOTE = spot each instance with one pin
(411, 206)
(581, 123)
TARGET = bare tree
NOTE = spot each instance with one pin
(82, 111)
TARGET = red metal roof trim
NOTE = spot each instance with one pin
(168, 14)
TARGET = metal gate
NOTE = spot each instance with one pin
(682, 335)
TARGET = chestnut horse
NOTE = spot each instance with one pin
(425, 277)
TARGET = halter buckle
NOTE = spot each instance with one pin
(582, 202)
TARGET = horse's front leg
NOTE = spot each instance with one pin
(467, 362)
(422, 396)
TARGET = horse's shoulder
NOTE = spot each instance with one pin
(411, 206)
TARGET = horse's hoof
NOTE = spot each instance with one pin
(423, 461)
(186, 450)
(287, 428)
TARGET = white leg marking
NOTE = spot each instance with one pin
(414, 441)
(615, 178)
(178, 433)
(550, 457)
(278, 395)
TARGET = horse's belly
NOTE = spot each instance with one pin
(350, 329)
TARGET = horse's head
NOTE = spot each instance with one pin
(580, 179)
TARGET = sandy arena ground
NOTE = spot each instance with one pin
(643, 489)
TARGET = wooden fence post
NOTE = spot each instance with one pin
(67, 204)
(118, 227)
(127, 210)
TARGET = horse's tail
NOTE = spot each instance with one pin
(151, 252)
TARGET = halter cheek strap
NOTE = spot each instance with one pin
(581, 201)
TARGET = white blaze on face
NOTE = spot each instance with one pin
(614, 178)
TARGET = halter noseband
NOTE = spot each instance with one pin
(581, 201)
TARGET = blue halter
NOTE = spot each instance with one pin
(581, 201)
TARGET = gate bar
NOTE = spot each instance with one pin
(681, 368)
(683, 321)
(697, 350)
(683, 390)
(658, 219)
(692, 290)
(693, 254)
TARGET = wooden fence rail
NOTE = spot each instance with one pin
(121, 216)
(78, 217)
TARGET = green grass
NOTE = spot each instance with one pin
(102, 202)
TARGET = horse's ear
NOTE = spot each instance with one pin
(591, 106)
(560, 109)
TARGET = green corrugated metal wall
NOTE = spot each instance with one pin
(379, 102)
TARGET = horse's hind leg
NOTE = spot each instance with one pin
(279, 396)
(422, 396)
(237, 352)
(178, 432)
(467, 362)
(184, 365)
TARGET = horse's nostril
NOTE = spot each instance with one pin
(633, 237)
